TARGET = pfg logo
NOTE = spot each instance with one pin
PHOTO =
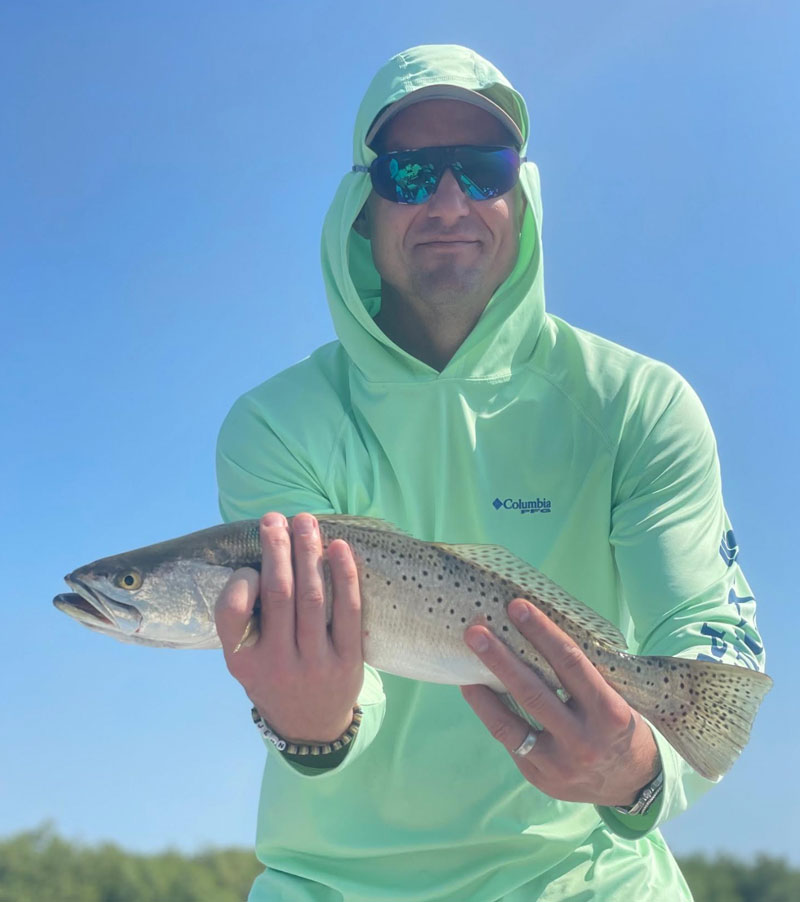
(536, 506)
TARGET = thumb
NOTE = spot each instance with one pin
(233, 612)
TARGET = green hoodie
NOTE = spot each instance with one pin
(595, 464)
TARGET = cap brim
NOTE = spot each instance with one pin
(444, 92)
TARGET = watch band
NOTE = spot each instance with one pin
(646, 796)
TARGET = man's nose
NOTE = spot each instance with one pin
(448, 202)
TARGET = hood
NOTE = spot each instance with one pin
(507, 331)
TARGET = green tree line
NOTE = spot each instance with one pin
(40, 866)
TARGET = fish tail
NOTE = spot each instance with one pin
(705, 710)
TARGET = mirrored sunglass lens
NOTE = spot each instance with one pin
(405, 179)
(486, 174)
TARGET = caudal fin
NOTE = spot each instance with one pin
(704, 709)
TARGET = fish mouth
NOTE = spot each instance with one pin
(78, 607)
(94, 609)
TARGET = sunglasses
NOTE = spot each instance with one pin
(412, 176)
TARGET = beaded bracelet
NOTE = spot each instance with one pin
(291, 748)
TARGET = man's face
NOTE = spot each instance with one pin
(451, 249)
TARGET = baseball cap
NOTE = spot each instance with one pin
(444, 92)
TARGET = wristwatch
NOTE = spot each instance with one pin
(646, 796)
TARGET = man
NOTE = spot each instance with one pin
(451, 404)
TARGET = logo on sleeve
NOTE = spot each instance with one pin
(728, 548)
(534, 506)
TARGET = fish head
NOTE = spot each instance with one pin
(149, 600)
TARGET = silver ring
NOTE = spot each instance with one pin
(527, 743)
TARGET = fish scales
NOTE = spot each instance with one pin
(417, 599)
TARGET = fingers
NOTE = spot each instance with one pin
(346, 623)
(312, 631)
(234, 608)
(528, 689)
(594, 749)
(293, 618)
(573, 668)
(277, 586)
(506, 727)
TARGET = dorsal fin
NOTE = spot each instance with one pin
(543, 591)
(361, 522)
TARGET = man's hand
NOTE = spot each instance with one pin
(303, 677)
(595, 748)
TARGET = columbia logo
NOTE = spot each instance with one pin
(535, 506)
(728, 548)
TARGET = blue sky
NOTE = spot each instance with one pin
(166, 169)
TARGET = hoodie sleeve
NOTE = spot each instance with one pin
(259, 471)
(678, 570)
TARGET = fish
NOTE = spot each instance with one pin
(418, 597)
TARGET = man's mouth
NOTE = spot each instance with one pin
(448, 242)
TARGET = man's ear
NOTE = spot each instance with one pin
(361, 224)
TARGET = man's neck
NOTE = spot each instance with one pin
(432, 333)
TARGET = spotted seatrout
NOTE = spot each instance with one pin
(417, 599)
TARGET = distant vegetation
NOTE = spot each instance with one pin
(726, 879)
(38, 866)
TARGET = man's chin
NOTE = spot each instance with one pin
(447, 284)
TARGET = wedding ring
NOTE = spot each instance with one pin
(527, 743)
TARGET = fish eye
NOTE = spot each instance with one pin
(129, 579)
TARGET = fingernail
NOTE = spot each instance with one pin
(478, 642)
(304, 526)
(519, 613)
